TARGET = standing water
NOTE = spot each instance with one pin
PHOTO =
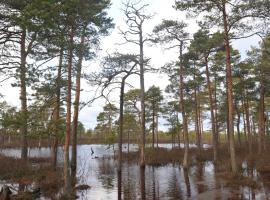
(97, 168)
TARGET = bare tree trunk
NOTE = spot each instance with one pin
(216, 111)
(248, 125)
(261, 116)
(128, 140)
(141, 63)
(157, 130)
(182, 107)
(197, 128)
(74, 133)
(57, 111)
(199, 118)
(267, 126)
(67, 183)
(213, 117)
(23, 98)
(121, 123)
(153, 127)
(244, 121)
(229, 90)
(119, 184)
(187, 182)
(238, 124)
(142, 182)
(179, 133)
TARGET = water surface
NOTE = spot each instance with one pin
(172, 182)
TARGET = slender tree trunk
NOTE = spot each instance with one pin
(178, 131)
(119, 184)
(244, 120)
(248, 125)
(229, 90)
(153, 126)
(213, 118)
(157, 130)
(238, 123)
(57, 111)
(187, 182)
(261, 116)
(128, 140)
(141, 63)
(74, 132)
(67, 183)
(182, 107)
(254, 136)
(267, 126)
(199, 117)
(142, 183)
(197, 128)
(121, 124)
(216, 110)
(23, 98)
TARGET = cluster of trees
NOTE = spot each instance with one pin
(45, 42)
(43, 46)
(208, 80)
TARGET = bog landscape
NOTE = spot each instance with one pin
(134, 99)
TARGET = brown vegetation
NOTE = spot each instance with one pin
(36, 170)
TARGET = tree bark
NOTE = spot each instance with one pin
(248, 125)
(23, 98)
(229, 89)
(57, 111)
(182, 107)
(67, 183)
(197, 128)
(244, 120)
(141, 63)
(238, 124)
(261, 115)
(157, 130)
(74, 133)
(153, 126)
(216, 110)
(121, 124)
(212, 109)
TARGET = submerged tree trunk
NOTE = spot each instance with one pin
(23, 98)
(182, 107)
(74, 132)
(57, 111)
(229, 90)
(213, 117)
(67, 183)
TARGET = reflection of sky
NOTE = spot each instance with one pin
(162, 10)
(163, 182)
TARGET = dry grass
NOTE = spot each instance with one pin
(25, 173)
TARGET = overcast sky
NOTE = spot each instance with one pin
(162, 9)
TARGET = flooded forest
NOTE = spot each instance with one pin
(134, 99)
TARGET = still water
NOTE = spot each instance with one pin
(172, 182)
